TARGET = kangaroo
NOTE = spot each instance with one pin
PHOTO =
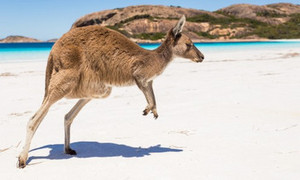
(86, 62)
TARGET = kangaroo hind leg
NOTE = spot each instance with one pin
(101, 92)
(69, 117)
(32, 126)
(60, 85)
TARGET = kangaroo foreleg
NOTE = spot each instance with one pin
(146, 88)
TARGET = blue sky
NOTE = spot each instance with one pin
(46, 19)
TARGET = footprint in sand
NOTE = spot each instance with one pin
(7, 74)
(20, 114)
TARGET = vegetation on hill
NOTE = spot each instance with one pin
(150, 36)
(287, 30)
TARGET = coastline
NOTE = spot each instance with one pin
(32, 52)
(159, 41)
(217, 40)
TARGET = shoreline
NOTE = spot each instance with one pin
(32, 52)
(195, 41)
(217, 40)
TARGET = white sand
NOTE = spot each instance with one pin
(235, 116)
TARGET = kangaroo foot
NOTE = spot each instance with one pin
(21, 162)
(70, 151)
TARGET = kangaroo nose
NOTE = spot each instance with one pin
(200, 55)
(201, 58)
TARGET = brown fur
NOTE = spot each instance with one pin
(87, 62)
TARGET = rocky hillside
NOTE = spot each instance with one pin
(149, 23)
(9, 39)
(146, 22)
(273, 21)
(273, 14)
(242, 21)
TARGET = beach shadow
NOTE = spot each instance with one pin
(86, 149)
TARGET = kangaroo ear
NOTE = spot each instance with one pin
(179, 26)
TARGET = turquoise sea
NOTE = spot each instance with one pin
(27, 52)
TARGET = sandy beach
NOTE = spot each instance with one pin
(234, 116)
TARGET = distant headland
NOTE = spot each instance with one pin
(17, 39)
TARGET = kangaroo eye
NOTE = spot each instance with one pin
(188, 45)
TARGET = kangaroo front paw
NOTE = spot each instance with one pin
(154, 113)
(153, 110)
(146, 111)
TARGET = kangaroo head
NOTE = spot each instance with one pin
(182, 45)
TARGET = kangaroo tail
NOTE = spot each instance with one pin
(49, 70)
